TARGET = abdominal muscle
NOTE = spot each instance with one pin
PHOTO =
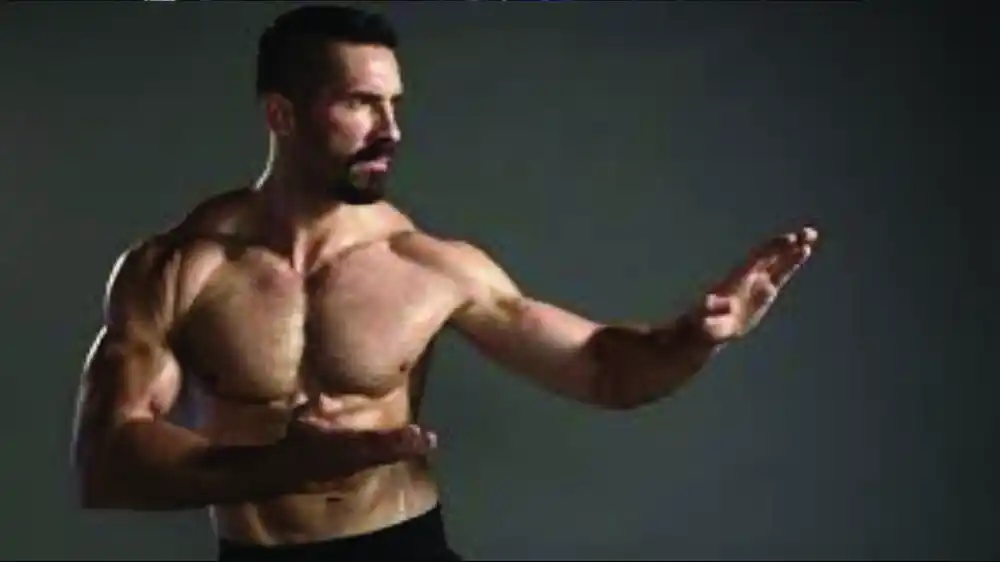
(364, 502)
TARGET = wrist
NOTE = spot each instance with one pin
(686, 332)
(284, 467)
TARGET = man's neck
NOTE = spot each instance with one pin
(300, 225)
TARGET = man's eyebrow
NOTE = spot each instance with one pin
(370, 95)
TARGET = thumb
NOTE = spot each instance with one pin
(307, 414)
(714, 305)
(305, 404)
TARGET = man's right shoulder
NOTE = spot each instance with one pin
(187, 248)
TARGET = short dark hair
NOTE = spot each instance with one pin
(291, 52)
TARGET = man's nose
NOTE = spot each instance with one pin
(388, 127)
(390, 131)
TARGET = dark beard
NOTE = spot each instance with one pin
(365, 189)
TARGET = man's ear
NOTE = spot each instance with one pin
(279, 114)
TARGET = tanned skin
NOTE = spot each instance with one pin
(304, 326)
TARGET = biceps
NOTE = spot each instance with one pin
(125, 378)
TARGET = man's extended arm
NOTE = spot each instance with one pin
(612, 366)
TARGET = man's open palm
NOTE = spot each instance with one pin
(736, 305)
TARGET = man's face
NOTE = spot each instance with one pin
(348, 134)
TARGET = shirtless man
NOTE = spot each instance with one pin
(302, 310)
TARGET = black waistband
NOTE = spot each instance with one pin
(420, 538)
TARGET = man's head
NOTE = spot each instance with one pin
(330, 82)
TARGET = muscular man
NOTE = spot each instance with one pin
(302, 310)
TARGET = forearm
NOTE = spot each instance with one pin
(636, 365)
(154, 465)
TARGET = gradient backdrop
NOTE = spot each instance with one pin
(615, 158)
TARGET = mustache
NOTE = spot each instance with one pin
(374, 151)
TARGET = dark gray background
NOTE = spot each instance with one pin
(615, 158)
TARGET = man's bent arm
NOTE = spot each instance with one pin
(615, 367)
(125, 455)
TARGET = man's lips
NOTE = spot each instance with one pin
(376, 165)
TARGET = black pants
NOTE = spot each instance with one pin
(420, 539)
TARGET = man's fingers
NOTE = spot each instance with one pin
(397, 444)
(307, 406)
(306, 415)
(779, 257)
(791, 259)
(810, 235)
(732, 280)
(760, 259)
(301, 407)
(408, 440)
(785, 267)
(412, 438)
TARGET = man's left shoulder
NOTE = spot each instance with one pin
(425, 247)
(450, 255)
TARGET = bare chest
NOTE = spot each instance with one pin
(358, 325)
